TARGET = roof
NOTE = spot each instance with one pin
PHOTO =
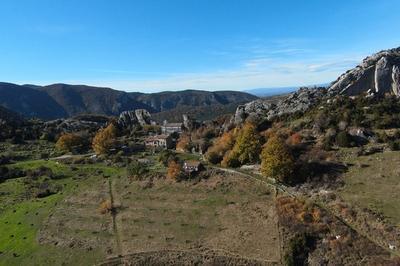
(157, 137)
(192, 163)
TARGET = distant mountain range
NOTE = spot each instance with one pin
(63, 100)
(266, 92)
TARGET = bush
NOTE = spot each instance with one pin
(230, 160)
(105, 207)
(105, 139)
(343, 139)
(166, 156)
(213, 157)
(294, 139)
(276, 160)
(71, 143)
(382, 137)
(394, 145)
(184, 143)
(136, 170)
(299, 248)
(46, 189)
(174, 171)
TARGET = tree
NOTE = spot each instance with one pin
(221, 146)
(277, 160)
(105, 139)
(70, 142)
(174, 171)
(247, 146)
(183, 143)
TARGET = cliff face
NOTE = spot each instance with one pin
(376, 75)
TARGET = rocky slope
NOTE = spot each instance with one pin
(264, 109)
(83, 123)
(376, 75)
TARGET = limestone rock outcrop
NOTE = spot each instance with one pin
(396, 80)
(260, 109)
(129, 119)
(376, 75)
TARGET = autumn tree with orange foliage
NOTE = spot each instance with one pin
(221, 146)
(70, 142)
(294, 139)
(183, 144)
(105, 139)
(174, 171)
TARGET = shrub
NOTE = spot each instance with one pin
(382, 137)
(151, 129)
(105, 207)
(166, 156)
(343, 139)
(276, 160)
(213, 157)
(299, 248)
(230, 160)
(174, 171)
(294, 139)
(136, 170)
(394, 145)
(184, 143)
(70, 142)
(105, 139)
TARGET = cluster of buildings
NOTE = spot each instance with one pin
(165, 140)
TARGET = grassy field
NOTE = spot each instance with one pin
(227, 214)
(22, 216)
(373, 182)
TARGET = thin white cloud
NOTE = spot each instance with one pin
(254, 73)
(257, 64)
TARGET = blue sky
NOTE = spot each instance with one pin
(154, 45)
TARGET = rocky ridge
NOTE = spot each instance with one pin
(378, 74)
(84, 123)
(262, 109)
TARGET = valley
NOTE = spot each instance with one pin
(105, 177)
